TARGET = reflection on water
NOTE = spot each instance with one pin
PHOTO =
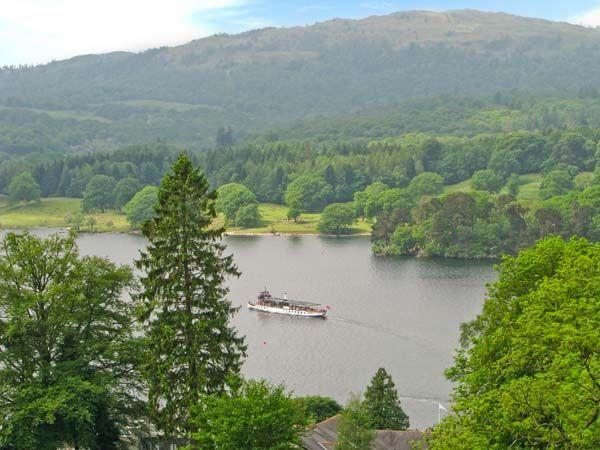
(399, 313)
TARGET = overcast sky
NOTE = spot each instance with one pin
(37, 31)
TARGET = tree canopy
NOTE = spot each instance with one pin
(427, 183)
(125, 189)
(355, 429)
(527, 372)
(231, 198)
(99, 193)
(556, 182)
(319, 408)
(257, 416)
(24, 188)
(248, 216)
(336, 218)
(141, 207)
(67, 356)
(487, 180)
(308, 192)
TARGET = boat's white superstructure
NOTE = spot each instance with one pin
(267, 303)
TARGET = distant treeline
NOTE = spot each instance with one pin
(350, 166)
(67, 176)
(396, 180)
(347, 166)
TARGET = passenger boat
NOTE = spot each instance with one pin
(267, 303)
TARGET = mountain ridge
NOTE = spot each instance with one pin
(271, 77)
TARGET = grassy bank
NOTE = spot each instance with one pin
(59, 212)
(274, 220)
(529, 188)
(66, 212)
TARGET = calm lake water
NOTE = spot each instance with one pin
(402, 314)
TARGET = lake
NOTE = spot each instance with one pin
(399, 313)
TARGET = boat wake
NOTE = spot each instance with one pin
(395, 333)
(385, 330)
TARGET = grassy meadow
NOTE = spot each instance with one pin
(66, 213)
(529, 188)
(60, 213)
(274, 221)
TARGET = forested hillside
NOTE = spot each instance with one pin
(271, 78)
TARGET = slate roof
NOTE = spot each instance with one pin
(324, 435)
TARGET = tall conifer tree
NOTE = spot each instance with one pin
(381, 400)
(191, 348)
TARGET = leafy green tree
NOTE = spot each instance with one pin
(319, 408)
(403, 241)
(556, 182)
(248, 216)
(527, 372)
(572, 149)
(410, 170)
(369, 195)
(487, 180)
(125, 189)
(381, 400)
(427, 183)
(141, 207)
(355, 429)
(430, 150)
(192, 350)
(67, 355)
(149, 173)
(23, 188)
(513, 185)
(336, 218)
(329, 176)
(293, 213)
(256, 416)
(308, 192)
(231, 197)
(583, 180)
(78, 180)
(99, 193)
(504, 164)
(390, 200)
(549, 220)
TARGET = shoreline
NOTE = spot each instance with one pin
(137, 232)
(233, 233)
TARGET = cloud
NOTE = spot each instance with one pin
(378, 6)
(312, 8)
(35, 31)
(589, 18)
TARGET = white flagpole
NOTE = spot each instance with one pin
(440, 408)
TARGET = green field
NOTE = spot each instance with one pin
(66, 213)
(529, 187)
(275, 221)
(61, 213)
